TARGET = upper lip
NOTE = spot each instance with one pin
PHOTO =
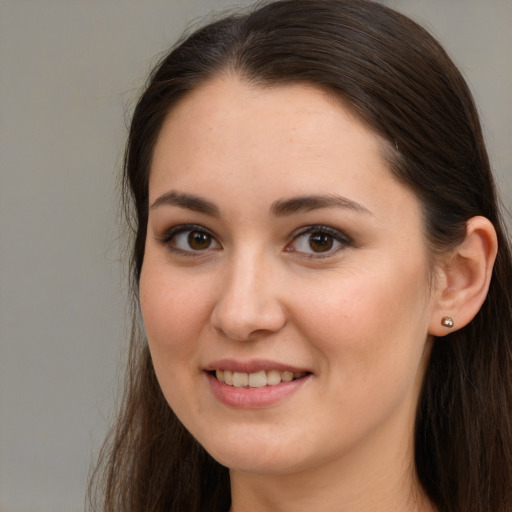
(253, 366)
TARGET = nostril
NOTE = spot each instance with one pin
(246, 312)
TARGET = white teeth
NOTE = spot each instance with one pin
(257, 379)
(273, 377)
(240, 380)
(287, 376)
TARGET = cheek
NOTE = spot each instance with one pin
(371, 335)
(369, 323)
(173, 316)
(173, 311)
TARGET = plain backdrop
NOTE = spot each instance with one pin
(70, 71)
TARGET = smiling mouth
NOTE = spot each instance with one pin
(257, 379)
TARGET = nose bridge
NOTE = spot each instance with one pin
(247, 302)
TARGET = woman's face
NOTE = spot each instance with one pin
(280, 246)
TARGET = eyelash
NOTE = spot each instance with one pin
(169, 239)
(334, 237)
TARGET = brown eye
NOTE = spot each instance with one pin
(199, 240)
(190, 240)
(321, 242)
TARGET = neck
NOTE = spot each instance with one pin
(302, 493)
(367, 480)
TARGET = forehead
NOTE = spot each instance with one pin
(279, 141)
(229, 98)
(227, 114)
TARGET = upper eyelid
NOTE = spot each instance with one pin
(180, 228)
(169, 234)
(338, 234)
(344, 241)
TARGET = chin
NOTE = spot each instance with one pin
(264, 455)
(257, 464)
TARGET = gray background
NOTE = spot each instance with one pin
(69, 71)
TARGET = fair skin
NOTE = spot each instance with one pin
(279, 240)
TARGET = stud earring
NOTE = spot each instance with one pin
(447, 321)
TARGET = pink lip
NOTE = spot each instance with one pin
(254, 398)
(255, 365)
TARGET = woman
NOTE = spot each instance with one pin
(322, 272)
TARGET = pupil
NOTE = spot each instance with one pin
(320, 242)
(198, 240)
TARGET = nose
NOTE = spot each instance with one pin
(248, 305)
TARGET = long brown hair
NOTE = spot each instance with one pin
(398, 80)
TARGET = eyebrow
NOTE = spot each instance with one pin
(280, 208)
(187, 201)
(303, 204)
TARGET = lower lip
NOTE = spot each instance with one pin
(254, 398)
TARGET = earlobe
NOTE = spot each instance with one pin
(465, 275)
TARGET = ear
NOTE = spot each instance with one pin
(464, 275)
